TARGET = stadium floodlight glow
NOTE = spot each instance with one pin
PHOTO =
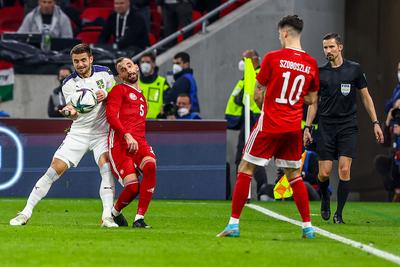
(20, 159)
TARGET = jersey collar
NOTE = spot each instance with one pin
(133, 87)
(296, 49)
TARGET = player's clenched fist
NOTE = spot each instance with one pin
(68, 111)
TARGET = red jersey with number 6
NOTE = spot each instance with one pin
(126, 111)
(288, 75)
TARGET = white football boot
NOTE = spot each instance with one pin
(108, 222)
(20, 219)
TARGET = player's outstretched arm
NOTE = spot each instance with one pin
(369, 106)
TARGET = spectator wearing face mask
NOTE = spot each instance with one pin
(56, 99)
(396, 93)
(184, 81)
(184, 106)
(154, 86)
(234, 115)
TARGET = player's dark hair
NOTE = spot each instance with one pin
(150, 55)
(119, 61)
(185, 95)
(292, 21)
(80, 49)
(333, 35)
(184, 56)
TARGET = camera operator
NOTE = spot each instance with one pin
(180, 111)
(169, 111)
(391, 131)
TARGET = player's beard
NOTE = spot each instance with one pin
(132, 78)
(84, 72)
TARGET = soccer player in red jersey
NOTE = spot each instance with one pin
(129, 151)
(287, 79)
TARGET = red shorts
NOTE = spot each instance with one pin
(124, 163)
(286, 148)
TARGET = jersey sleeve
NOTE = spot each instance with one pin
(113, 107)
(68, 89)
(361, 80)
(263, 75)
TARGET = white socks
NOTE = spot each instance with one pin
(107, 189)
(138, 217)
(40, 190)
(115, 212)
(233, 221)
(306, 224)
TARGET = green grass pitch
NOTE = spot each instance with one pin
(66, 232)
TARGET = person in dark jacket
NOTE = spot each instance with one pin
(127, 28)
(56, 99)
(184, 81)
(142, 7)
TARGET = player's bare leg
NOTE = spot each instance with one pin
(148, 184)
(40, 190)
(128, 194)
(239, 197)
(325, 168)
(343, 187)
(300, 196)
(106, 191)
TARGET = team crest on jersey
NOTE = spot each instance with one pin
(132, 96)
(345, 88)
(100, 84)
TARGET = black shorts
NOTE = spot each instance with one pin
(336, 139)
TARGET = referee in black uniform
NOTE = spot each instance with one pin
(340, 80)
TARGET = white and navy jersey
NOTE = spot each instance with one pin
(93, 122)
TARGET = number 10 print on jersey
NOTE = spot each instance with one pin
(286, 85)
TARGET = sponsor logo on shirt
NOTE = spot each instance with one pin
(345, 88)
(132, 96)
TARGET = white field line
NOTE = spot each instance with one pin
(374, 251)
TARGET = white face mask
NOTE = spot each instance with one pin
(241, 65)
(145, 68)
(176, 68)
(182, 112)
(398, 76)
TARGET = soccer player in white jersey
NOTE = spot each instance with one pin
(88, 132)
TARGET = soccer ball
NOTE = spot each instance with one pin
(84, 100)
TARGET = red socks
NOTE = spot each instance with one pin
(300, 196)
(240, 193)
(128, 194)
(147, 186)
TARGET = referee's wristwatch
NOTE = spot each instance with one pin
(375, 122)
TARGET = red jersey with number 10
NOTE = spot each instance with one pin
(126, 112)
(288, 75)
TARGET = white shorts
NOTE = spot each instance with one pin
(75, 146)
